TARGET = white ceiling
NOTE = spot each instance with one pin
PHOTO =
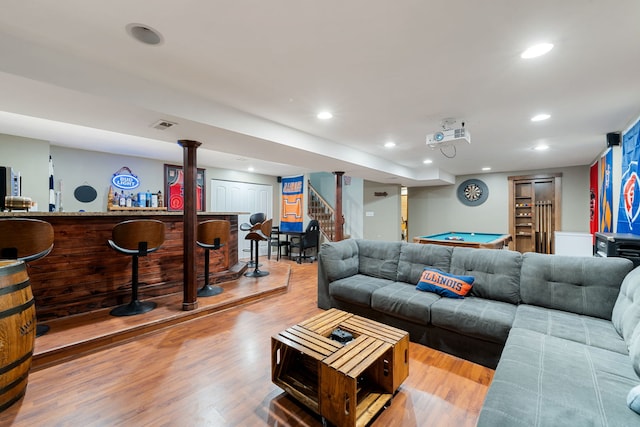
(246, 78)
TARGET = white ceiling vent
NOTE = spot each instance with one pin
(163, 125)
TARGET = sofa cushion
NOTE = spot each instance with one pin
(476, 317)
(634, 349)
(356, 289)
(340, 259)
(626, 311)
(401, 300)
(633, 399)
(379, 259)
(548, 381)
(496, 272)
(415, 256)
(575, 327)
(444, 284)
(579, 285)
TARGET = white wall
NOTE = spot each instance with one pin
(80, 167)
(30, 157)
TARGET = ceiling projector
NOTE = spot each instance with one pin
(448, 137)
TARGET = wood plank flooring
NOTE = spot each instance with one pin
(214, 370)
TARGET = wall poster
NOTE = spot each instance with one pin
(292, 198)
(606, 193)
(593, 199)
(174, 188)
(629, 206)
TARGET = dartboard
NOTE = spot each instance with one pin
(473, 192)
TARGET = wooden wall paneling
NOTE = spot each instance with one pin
(82, 273)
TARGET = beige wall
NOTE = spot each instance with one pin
(437, 209)
(381, 213)
(431, 209)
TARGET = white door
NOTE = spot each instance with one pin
(232, 196)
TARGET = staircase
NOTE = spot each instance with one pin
(319, 209)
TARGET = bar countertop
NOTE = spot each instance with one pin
(109, 213)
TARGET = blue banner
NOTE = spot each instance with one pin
(606, 193)
(629, 206)
(292, 197)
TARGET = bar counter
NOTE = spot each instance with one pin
(82, 273)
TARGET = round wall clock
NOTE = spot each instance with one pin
(473, 192)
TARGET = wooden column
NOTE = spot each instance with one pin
(190, 299)
(339, 219)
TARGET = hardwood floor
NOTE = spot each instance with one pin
(214, 370)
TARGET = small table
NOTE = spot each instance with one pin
(349, 384)
(467, 240)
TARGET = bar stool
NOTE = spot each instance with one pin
(258, 233)
(211, 235)
(27, 240)
(254, 219)
(136, 238)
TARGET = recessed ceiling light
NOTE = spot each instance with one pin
(486, 169)
(540, 117)
(325, 115)
(541, 147)
(389, 144)
(536, 50)
(427, 161)
(144, 34)
(250, 169)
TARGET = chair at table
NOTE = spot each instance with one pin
(275, 241)
(212, 235)
(136, 238)
(26, 240)
(258, 233)
(256, 218)
(310, 239)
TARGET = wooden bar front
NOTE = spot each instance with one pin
(82, 273)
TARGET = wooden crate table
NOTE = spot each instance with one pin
(348, 385)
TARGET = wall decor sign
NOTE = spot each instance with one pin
(174, 188)
(292, 202)
(124, 179)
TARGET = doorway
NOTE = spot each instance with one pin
(404, 213)
(232, 196)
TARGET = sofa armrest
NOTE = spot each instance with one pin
(336, 260)
(324, 299)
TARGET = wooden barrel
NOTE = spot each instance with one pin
(17, 331)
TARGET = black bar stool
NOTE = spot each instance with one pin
(26, 240)
(256, 218)
(136, 238)
(258, 233)
(212, 235)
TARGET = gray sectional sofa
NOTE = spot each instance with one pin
(563, 333)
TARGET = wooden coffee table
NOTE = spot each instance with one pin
(348, 385)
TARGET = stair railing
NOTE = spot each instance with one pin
(319, 209)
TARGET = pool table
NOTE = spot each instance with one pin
(467, 240)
